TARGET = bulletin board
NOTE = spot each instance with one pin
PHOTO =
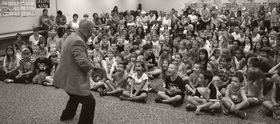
(21, 15)
(17, 8)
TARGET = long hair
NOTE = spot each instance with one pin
(144, 69)
(204, 51)
(267, 43)
(255, 49)
(13, 56)
(250, 42)
(142, 34)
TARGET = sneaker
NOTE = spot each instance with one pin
(158, 100)
(8, 80)
(102, 93)
(190, 107)
(241, 114)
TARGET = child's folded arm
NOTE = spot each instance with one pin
(141, 86)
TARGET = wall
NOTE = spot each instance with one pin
(69, 7)
(13, 24)
(165, 5)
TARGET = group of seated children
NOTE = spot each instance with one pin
(29, 64)
(218, 66)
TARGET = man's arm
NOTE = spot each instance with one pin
(78, 51)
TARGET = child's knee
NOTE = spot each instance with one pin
(178, 98)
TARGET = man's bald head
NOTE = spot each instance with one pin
(86, 27)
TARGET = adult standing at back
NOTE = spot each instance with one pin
(45, 23)
(72, 74)
(60, 18)
(45, 20)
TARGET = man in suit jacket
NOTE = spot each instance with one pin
(72, 74)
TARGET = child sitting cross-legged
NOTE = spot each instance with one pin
(192, 81)
(139, 85)
(10, 65)
(42, 68)
(26, 67)
(117, 84)
(98, 77)
(174, 88)
(275, 96)
(206, 95)
(235, 98)
(49, 79)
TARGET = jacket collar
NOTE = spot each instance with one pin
(82, 35)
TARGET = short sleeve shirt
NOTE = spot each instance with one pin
(138, 81)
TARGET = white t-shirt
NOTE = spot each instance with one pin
(193, 18)
(33, 40)
(256, 38)
(237, 36)
(166, 22)
(74, 25)
(138, 81)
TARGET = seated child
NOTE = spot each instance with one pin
(151, 62)
(10, 65)
(98, 77)
(275, 96)
(26, 67)
(42, 68)
(139, 85)
(225, 72)
(118, 83)
(131, 64)
(174, 88)
(181, 66)
(205, 97)
(109, 64)
(235, 98)
(49, 79)
(193, 84)
(254, 85)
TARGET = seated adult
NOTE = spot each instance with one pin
(34, 38)
(60, 19)
(45, 20)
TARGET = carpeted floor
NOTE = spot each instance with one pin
(36, 104)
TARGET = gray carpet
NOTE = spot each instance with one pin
(35, 104)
